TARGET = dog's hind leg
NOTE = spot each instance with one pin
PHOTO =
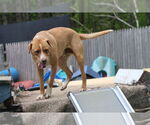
(63, 66)
(80, 60)
(78, 51)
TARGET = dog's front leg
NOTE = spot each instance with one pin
(40, 75)
(50, 82)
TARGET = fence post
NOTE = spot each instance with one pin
(2, 59)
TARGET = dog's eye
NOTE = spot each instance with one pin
(37, 52)
(45, 50)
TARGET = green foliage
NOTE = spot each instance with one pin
(82, 22)
(94, 22)
(143, 19)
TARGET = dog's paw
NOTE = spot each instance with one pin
(48, 92)
(63, 87)
(40, 97)
(83, 89)
(47, 96)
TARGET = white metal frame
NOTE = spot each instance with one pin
(126, 116)
(77, 107)
(77, 119)
(123, 99)
(118, 93)
(128, 119)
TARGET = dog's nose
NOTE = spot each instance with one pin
(44, 61)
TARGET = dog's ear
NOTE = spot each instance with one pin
(49, 43)
(30, 47)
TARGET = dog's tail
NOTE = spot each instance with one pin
(94, 35)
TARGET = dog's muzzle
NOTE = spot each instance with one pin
(42, 64)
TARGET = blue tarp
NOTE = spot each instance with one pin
(60, 75)
(88, 72)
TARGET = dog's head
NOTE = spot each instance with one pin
(40, 48)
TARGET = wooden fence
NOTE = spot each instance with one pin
(18, 57)
(129, 48)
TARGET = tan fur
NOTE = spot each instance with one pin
(58, 44)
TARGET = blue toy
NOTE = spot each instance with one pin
(11, 71)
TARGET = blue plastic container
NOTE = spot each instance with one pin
(105, 66)
(11, 71)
